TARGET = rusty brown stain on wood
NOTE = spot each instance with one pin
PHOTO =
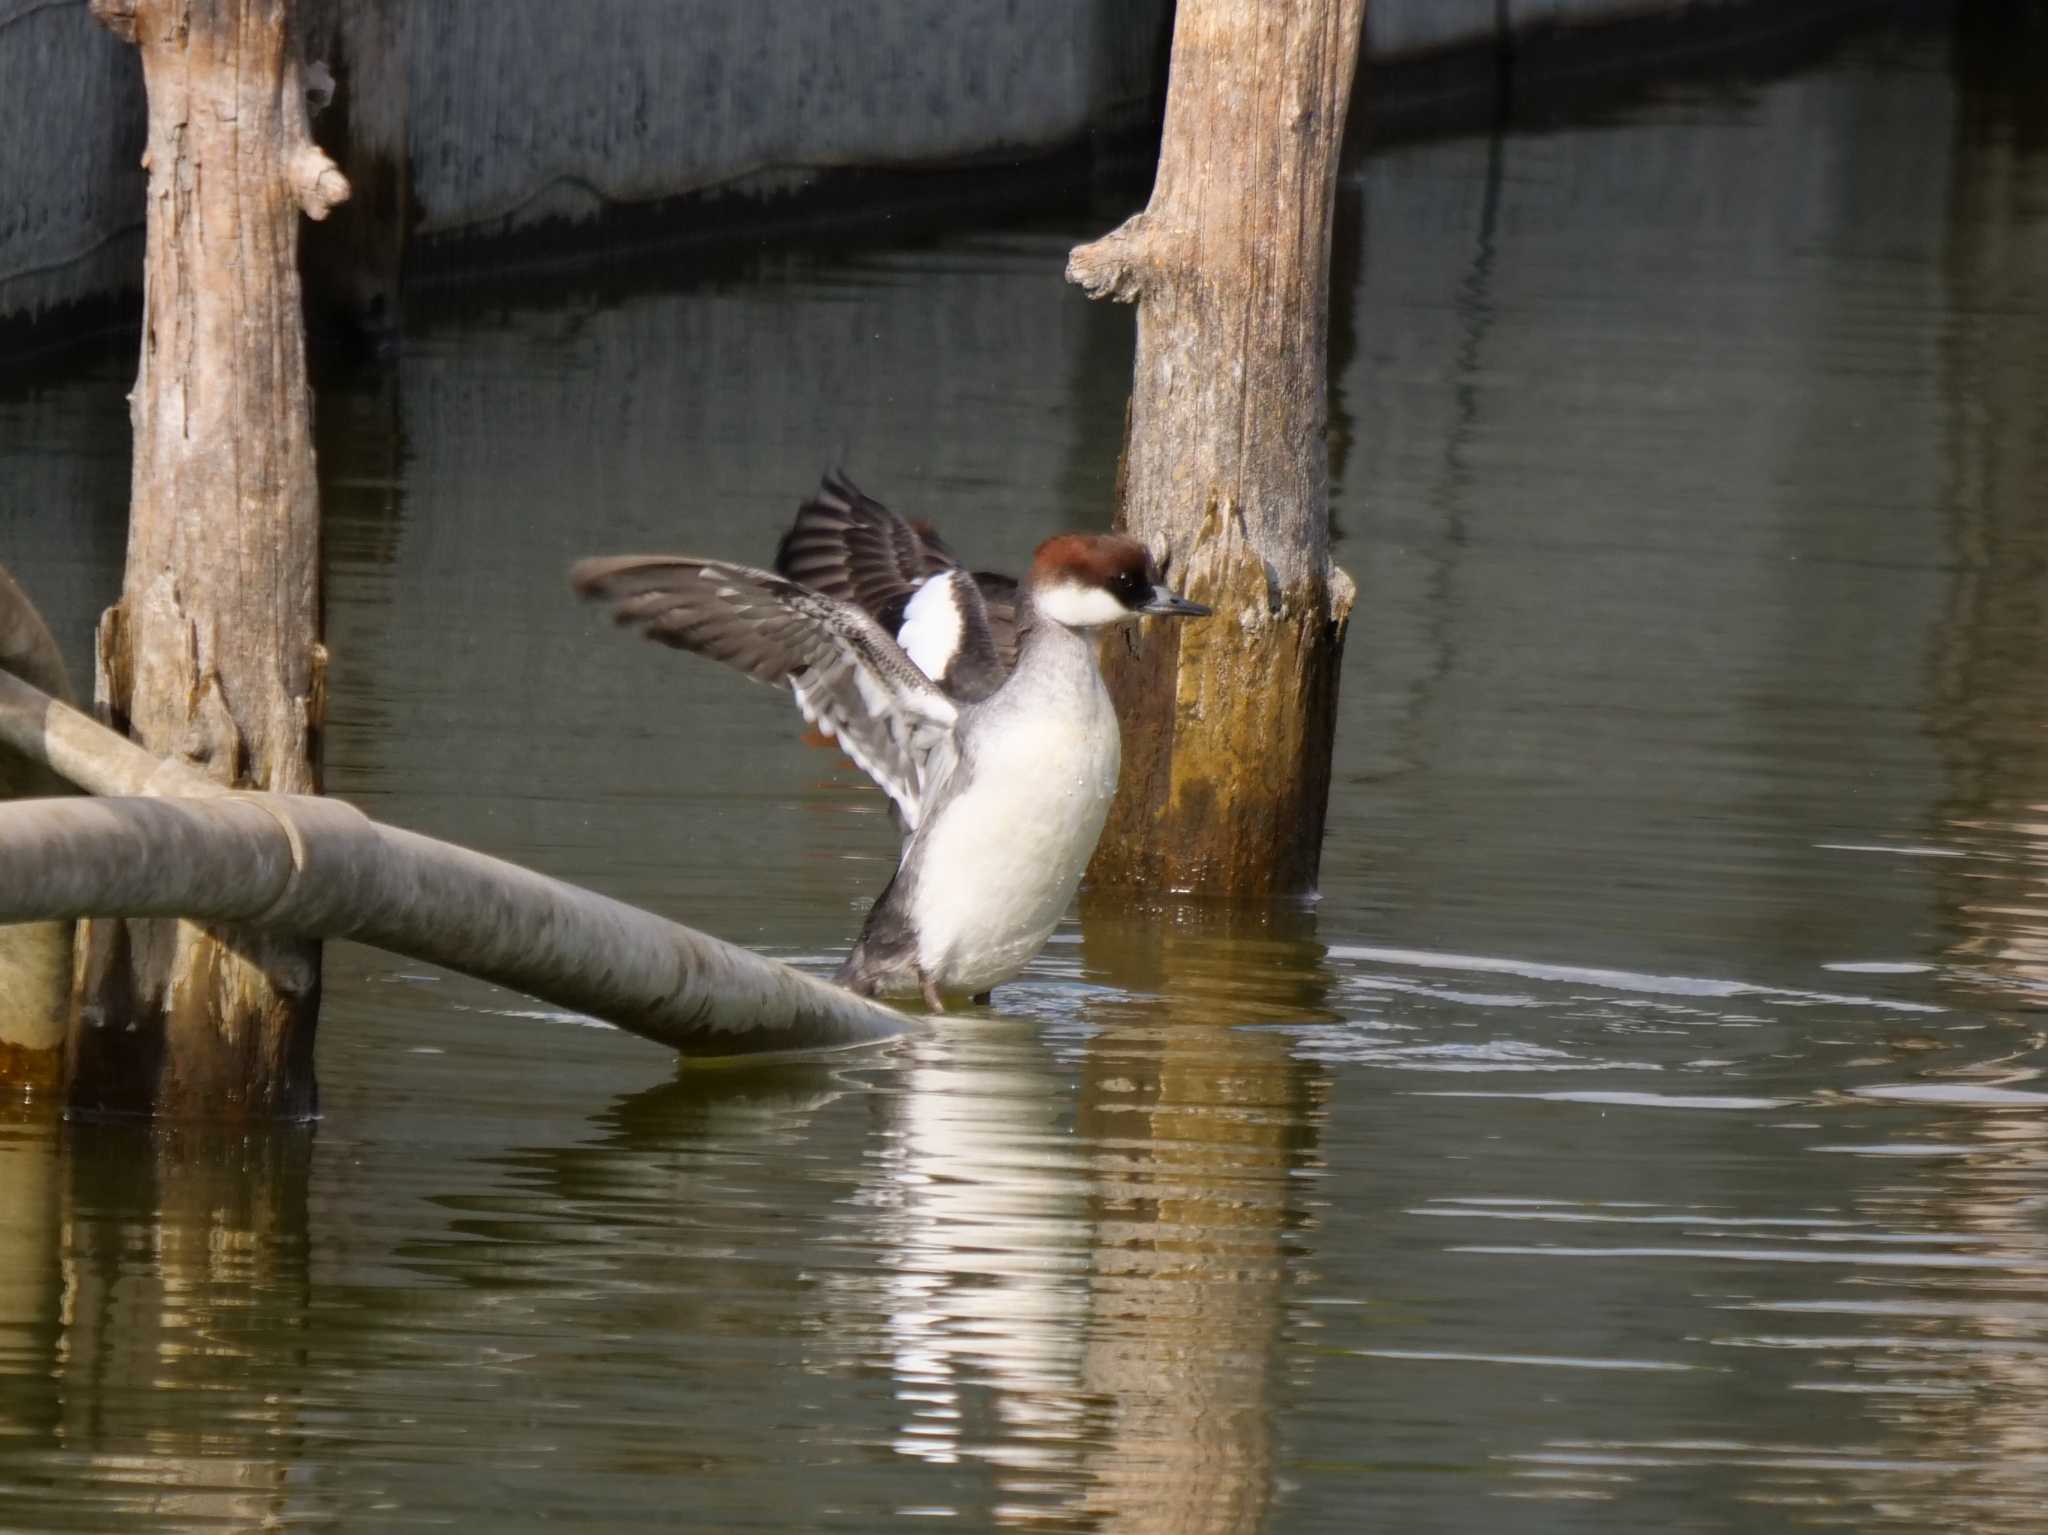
(1199, 811)
(1251, 822)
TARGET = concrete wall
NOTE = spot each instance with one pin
(511, 121)
(530, 109)
(71, 185)
(527, 109)
(1396, 28)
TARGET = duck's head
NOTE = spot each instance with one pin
(1087, 580)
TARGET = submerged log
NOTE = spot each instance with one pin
(319, 868)
(212, 652)
(1229, 725)
(35, 960)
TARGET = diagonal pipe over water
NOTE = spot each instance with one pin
(168, 842)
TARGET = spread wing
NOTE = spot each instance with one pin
(850, 678)
(848, 545)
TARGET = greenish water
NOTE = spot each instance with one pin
(1644, 1131)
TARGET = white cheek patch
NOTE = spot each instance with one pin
(932, 626)
(1080, 607)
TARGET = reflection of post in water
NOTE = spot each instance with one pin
(1990, 711)
(1197, 1125)
(1962, 1374)
(1961, 1377)
(31, 1282)
(181, 1261)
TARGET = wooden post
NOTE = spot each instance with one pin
(212, 653)
(1229, 724)
(35, 958)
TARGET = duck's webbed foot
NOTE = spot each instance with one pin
(930, 989)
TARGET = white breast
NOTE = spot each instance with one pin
(999, 864)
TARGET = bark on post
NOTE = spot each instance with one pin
(35, 958)
(212, 653)
(1229, 722)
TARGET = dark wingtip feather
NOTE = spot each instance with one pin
(587, 577)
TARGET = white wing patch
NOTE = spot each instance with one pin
(932, 626)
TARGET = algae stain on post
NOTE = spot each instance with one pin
(1229, 726)
(212, 653)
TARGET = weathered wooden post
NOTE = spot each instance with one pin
(1229, 724)
(212, 653)
(35, 958)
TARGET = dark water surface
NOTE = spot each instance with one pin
(1645, 1130)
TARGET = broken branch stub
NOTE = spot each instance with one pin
(1112, 267)
(316, 181)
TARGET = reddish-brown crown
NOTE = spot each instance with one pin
(1093, 559)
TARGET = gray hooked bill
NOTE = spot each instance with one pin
(1164, 602)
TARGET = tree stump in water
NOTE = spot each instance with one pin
(1229, 722)
(212, 653)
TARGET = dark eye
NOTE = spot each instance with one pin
(1131, 588)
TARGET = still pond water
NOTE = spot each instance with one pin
(1644, 1131)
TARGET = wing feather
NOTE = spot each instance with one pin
(846, 544)
(850, 678)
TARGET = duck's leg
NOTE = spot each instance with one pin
(931, 992)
